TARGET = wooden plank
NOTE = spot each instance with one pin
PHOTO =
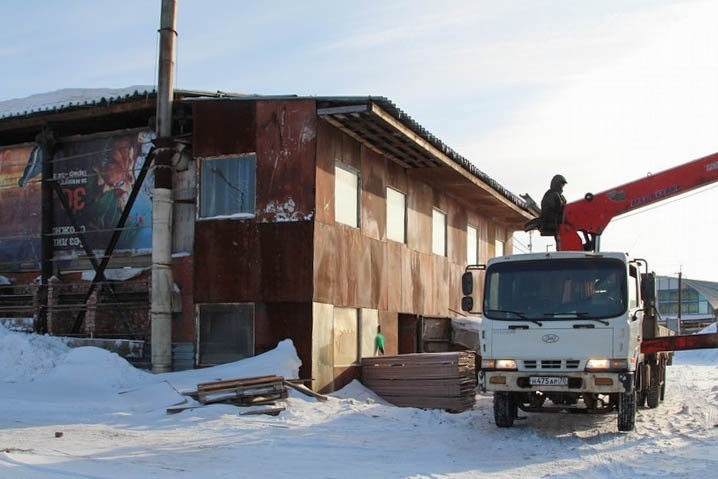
(447, 356)
(428, 387)
(237, 382)
(425, 380)
(260, 389)
(270, 410)
(305, 390)
(411, 372)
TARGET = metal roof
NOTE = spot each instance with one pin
(71, 98)
(707, 289)
(380, 125)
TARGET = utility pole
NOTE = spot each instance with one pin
(162, 280)
(680, 300)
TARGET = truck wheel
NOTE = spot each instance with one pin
(627, 410)
(505, 409)
(653, 396)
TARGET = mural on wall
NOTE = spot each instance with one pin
(20, 212)
(96, 178)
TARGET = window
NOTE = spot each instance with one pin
(346, 195)
(228, 186)
(633, 288)
(395, 215)
(346, 336)
(499, 247)
(438, 233)
(590, 288)
(226, 333)
(472, 245)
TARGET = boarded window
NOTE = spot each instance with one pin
(472, 245)
(438, 233)
(346, 336)
(226, 333)
(395, 215)
(228, 186)
(346, 195)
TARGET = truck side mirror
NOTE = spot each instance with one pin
(648, 287)
(467, 283)
(467, 303)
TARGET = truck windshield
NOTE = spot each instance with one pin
(555, 289)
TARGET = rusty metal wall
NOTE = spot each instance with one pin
(286, 142)
(331, 146)
(223, 127)
(268, 258)
(247, 261)
(359, 267)
(275, 322)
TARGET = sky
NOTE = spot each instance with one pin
(601, 92)
(86, 413)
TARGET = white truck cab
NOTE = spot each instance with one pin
(562, 331)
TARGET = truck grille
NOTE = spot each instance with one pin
(551, 364)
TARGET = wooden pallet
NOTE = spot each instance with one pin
(243, 392)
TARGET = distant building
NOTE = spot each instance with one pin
(697, 300)
(318, 219)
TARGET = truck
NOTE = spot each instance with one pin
(577, 329)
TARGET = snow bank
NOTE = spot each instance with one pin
(25, 357)
(357, 391)
(282, 361)
(90, 367)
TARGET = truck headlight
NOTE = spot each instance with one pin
(606, 364)
(498, 364)
(505, 364)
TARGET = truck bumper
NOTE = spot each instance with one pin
(573, 382)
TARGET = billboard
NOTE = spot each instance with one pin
(20, 211)
(95, 176)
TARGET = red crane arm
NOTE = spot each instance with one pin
(591, 215)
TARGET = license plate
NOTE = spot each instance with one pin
(548, 381)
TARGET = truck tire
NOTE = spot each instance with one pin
(505, 409)
(627, 410)
(653, 396)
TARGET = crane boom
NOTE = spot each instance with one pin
(586, 219)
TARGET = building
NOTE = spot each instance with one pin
(319, 219)
(696, 300)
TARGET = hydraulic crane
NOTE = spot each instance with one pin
(585, 220)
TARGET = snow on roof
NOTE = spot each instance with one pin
(68, 97)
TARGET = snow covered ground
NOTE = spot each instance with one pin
(113, 424)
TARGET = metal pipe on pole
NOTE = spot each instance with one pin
(162, 280)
